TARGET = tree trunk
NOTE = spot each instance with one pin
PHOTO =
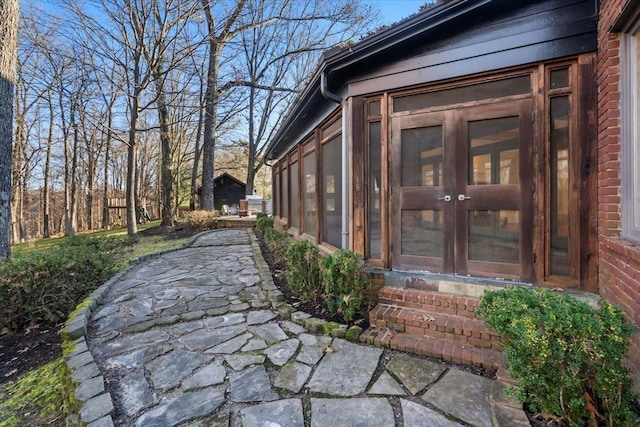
(74, 173)
(209, 137)
(196, 161)
(132, 226)
(8, 61)
(210, 114)
(166, 173)
(105, 195)
(252, 143)
(46, 197)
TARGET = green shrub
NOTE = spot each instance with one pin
(566, 355)
(303, 270)
(45, 286)
(264, 222)
(202, 220)
(261, 215)
(277, 242)
(345, 283)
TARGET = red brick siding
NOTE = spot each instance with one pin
(619, 259)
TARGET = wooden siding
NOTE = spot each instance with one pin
(538, 32)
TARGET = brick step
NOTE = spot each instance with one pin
(450, 327)
(430, 301)
(447, 350)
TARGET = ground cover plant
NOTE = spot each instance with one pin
(567, 356)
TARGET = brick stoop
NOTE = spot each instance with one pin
(433, 324)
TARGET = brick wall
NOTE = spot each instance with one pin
(619, 259)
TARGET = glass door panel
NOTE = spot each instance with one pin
(422, 232)
(421, 160)
(494, 236)
(419, 212)
(493, 199)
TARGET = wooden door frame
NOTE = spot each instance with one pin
(409, 198)
(510, 197)
(455, 249)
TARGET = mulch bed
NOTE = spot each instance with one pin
(26, 350)
(319, 310)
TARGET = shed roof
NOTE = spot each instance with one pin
(229, 176)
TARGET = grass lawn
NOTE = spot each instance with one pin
(42, 395)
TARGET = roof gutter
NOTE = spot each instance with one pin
(324, 88)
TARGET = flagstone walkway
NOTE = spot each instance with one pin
(193, 338)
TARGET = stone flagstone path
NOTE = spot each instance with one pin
(192, 338)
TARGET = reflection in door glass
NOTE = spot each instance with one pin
(422, 233)
(421, 157)
(494, 236)
(494, 151)
(559, 147)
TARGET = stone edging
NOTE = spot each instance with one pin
(97, 404)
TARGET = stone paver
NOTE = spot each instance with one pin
(185, 407)
(212, 374)
(293, 376)
(361, 412)
(387, 385)
(193, 338)
(413, 372)
(286, 412)
(342, 374)
(463, 395)
(251, 385)
(419, 416)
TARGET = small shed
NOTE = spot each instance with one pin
(227, 190)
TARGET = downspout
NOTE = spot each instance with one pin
(327, 94)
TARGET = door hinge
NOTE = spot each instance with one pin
(533, 258)
(533, 187)
(533, 117)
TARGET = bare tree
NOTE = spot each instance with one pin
(278, 58)
(8, 59)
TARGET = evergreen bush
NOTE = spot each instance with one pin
(345, 283)
(567, 356)
(277, 242)
(264, 222)
(45, 286)
(303, 270)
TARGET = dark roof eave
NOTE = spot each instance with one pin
(376, 44)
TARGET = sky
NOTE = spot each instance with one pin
(392, 11)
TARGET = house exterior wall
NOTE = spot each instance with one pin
(619, 258)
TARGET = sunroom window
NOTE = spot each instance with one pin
(630, 143)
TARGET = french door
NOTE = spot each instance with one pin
(462, 195)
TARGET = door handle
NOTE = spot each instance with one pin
(462, 197)
(446, 198)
